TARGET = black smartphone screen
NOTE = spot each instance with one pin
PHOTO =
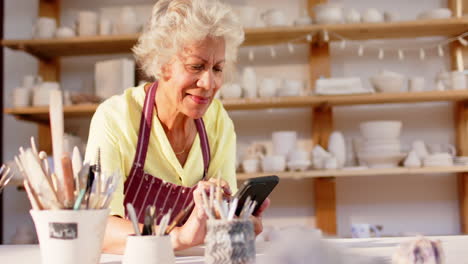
(257, 189)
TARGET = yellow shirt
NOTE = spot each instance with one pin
(114, 128)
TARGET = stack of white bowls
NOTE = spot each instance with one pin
(381, 146)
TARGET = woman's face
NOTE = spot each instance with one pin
(195, 75)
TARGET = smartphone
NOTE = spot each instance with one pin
(257, 189)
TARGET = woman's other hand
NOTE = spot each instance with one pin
(192, 233)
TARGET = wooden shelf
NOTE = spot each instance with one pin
(354, 173)
(49, 48)
(41, 114)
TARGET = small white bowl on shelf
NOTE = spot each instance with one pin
(438, 13)
(299, 165)
(381, 129)
(388, 83)
(381, 161)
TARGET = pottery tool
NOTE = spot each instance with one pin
(220, 210)
(38, 180)
(232, 208)
(133, 218)
(179, 217)
(163, 223)
(56, 125)
(77, 164)
(5, 177)
(45, 163)
(35, 203)
(68, 182)
(148, 222)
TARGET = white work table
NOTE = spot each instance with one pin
(380, 249)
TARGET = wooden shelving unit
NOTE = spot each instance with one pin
(77, 46)
(49, 51)
(40, 114)
(358, 172)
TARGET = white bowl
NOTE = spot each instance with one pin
(298, 165)
(438, 13)
(387, 83)
(381, 129)
(328, 13)
(384, 161)
(231, 90)
(250, 165)
(273, 163)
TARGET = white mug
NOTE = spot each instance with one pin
(45, 27)
(105, 27)
(416, 84)
(87, 23)
(267, 87)
(21, 97)
(458, 80)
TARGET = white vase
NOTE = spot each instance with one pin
(249, 82)
(337, 147)
(412, 161)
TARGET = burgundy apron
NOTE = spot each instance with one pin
(142, 189)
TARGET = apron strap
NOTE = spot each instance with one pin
(145, 130)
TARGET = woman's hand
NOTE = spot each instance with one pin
(193, 232)
(257, 217)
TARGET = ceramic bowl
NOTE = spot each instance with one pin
(388, 83)
(273, 163)
(372, 15)
(381, 161)
(381, 129)
(231, 90)
(328, 13)
(250, 165)
(298, 165)
(438, 13)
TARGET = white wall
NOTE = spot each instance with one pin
(416, 203)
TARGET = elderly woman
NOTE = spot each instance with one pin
(171, 138)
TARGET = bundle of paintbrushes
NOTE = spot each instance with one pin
(217, 208)
(5, 176)
(150, 226)
(79, 186)
(70, 184)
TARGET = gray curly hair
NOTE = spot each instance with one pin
(177, 23)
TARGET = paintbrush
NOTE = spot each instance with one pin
(179, 217)
(68, 182)
(56, 126)
(148, 223)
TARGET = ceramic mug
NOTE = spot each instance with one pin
(416, 84)
(267, 87)
(21, 97)
(45, 27)
(87, 23)
(148, 250)
(458, 80)
(105, 27)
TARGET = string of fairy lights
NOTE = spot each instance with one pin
(362, 48)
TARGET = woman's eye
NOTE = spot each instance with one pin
(196, 67)
(218, 69)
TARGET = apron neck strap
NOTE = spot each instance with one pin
(145, 131)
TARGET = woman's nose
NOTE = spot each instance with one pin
(206, 80)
